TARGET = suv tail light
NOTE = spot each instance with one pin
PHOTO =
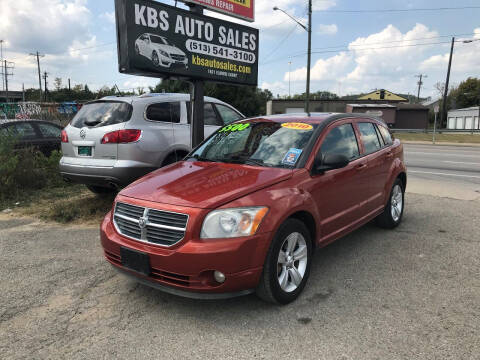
(64, 137)
(121, 136)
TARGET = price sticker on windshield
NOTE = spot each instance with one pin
(234, 127)
(297, 126)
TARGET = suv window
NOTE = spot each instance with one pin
(341, 140)
(209, 114)
(228, 115)
(387, 137)
(369, 137)
(211, 117)
(102, 113)
(166, 112)
(49, 131)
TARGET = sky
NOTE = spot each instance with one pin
(357, 45)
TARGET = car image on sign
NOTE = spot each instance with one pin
(159, 50)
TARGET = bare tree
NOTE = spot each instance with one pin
(57, 83)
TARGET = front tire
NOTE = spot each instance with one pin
(393, 212)
(155, 59)
(100, 190)
(287, 265)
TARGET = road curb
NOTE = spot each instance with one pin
(443, 143)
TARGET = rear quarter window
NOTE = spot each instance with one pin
(164, 112)
(369, 137)
(387, 137)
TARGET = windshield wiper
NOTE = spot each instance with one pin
(199, 158)
(258, 162)
(245, 160)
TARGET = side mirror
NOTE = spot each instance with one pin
(329, 162)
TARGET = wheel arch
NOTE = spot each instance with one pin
(403, 176)
(309, 221)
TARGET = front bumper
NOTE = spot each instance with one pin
(186, 269)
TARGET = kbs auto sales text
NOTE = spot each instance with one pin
(194, 28)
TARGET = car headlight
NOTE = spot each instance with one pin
(164, 53)
(230, 223)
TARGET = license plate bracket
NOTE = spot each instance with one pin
(84, 151)
(135, 260)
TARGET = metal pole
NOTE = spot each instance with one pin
(197, 91)
(39, 76)
(445, 94)
(289, 74)
(434, 128)
(23, 92)
(6, 80)
(307, 100)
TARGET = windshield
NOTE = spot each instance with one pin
(102, 113)
(159, 40)
(258, 143)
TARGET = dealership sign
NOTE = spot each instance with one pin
(158, 40)
(242, 9)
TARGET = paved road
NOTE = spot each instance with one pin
(432, 168)
(410, 293)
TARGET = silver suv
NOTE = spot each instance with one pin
(114, 141)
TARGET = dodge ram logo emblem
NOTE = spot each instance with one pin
(83, 133)
(142, 222)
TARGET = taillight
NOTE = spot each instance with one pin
(64, 137)
(121, 136)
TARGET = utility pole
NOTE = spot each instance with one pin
(1, 61)
(420, 83)
(69, 88)
(445, 94)
(23, 92)
(289, 74)
(307, 102)
(45, 76)
(39, 72)
(6, 67)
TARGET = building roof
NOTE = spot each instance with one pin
(382, 94)
(411, 107)
(466, 109)
(376, 106)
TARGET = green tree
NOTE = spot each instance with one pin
(465, 95)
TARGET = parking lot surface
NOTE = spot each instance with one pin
(410, 293)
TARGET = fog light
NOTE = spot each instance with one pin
(219, 276)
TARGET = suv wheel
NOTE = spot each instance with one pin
(392, 215)
(100, 189)
(287, 265)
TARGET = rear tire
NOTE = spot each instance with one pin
(100, 190)
(287, 265)
(393, 212)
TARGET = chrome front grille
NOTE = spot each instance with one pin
(178, 57)
(150, 225)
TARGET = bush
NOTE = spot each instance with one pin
(25, 170)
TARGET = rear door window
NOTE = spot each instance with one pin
(369, 137)
(228, 115)
(102, 113)
(341, 140)
(49, 131)
(165, 112)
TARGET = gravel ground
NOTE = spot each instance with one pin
(411, 293)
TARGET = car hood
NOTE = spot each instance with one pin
(172, 50)
(203, 184)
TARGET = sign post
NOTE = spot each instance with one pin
(436, 109)
(163, 41)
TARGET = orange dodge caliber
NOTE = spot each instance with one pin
(244, 211)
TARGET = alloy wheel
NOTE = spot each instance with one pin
(396, 203)
(292, 262)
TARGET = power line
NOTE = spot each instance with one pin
(280, 43)
(399, 10)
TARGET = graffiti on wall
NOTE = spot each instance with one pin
(28, 110)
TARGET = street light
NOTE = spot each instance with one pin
(308, 29)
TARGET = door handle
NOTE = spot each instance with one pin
(361, 166)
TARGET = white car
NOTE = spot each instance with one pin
(159, 51)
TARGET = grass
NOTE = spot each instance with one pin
(453, 138)
(69, 204)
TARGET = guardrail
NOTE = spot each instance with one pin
(438, 131)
